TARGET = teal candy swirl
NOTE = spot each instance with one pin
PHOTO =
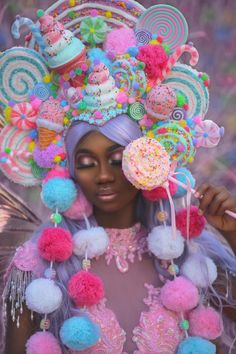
(21, 70)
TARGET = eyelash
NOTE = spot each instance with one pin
(115, 162)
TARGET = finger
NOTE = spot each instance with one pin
(201, 190)
(229, 204)
(207, 198)
(218, 200)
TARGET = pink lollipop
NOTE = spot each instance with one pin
(208, 134)
(146, 163)
(23, 116)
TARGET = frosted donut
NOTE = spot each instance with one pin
(146, 163)
(23, 116)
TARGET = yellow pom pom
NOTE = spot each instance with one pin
(148, 88)
(119, 105)
(72, 3)
(31, 146)
(47, 79)
(154, 41)
(57, 159)
(7, 113)
(108, 14)
(150, 134)
(190, 160)
(183, 123)
(65, 120)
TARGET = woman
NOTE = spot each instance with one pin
(95, 164)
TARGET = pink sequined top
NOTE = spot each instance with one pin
(131, 317)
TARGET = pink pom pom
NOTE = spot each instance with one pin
(179, 294)
(58, 171)
(79, 208)
(85, 289)
(43, 343)
(155, 59)
(119, 40)
(160, 192)
(55, 244)
(205, 322)
(197, 222)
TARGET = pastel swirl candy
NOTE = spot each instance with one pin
(165, 21)
(178, 114)
(143, 37)
(136, 111)
(186, 82)
(17, 165)
(23, 116)
(146, 163)
(177, 139)
(21, 70)
(208, 134)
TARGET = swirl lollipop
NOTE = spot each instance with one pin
(23, 116)
(21, 69)
(165, 21)
(146, 163)
(208, 134)
(177, 140)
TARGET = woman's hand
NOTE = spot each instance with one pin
(213, 202)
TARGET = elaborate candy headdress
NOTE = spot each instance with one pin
(91, 62)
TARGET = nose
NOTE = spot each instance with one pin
(105, 173)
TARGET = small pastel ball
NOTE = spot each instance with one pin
(50, 273)
(56, 218)
(184, 324)
(45, 324)
(161, 216)
(173, 269)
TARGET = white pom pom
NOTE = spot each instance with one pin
(43, 296)
(201, 270)
(95, 241)
(162, 243)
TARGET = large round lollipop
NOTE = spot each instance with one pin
(146, 163)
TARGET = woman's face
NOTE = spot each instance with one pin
(98, 171)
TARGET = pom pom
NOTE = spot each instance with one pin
(155, 59)
(43, 343)
(201, 270)
(43, 296)
(45, 158)
(184, 177)
(79, 333)
(196, 225)
(85, 289)
(59, 193)
(98, 55)
(94, 242)
(196, 345)
(119, 40)
(79, 208)
(160, 192)
(162, 244)
(58, 171)
(179, 295)
(55, 244)
(205, 322)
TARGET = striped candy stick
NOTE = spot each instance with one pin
(24, 21)
(185, 48)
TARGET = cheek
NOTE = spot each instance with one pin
(84, 180)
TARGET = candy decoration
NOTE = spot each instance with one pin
(35, 30)
(208, 134)
(23, 116)
(178, 114)
(21, 70)
(41, 91)
(191, 87)
(93, 30)
(136, 111)
(17, 164)
(165, 21)
(196, 345)
(43, 342)
(186, 48)
(146, 163)
(177, 140)
(143, 37)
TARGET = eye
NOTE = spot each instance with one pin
(116, 158)
(85, 162)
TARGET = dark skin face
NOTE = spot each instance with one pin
(98, 171)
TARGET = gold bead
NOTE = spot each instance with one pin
(86, 264)
(161, 216)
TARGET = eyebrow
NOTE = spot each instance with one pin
(87, 151)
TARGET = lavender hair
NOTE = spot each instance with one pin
(121, 130)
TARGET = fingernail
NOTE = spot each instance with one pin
(200, 212)
(197, 195)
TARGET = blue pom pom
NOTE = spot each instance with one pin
(196, 345)
(133, 51)
(79, 333)
(99, 54)
(59, 193)
(183, 177)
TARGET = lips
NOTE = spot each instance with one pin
(106, 194)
